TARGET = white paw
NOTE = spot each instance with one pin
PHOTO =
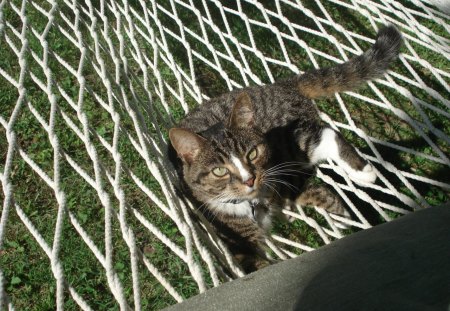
(367, 175)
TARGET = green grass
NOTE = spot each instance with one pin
(26, 267)
(23, 262)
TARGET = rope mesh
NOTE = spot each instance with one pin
(88, 90)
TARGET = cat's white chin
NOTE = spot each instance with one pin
(250, 190)
(366, 175)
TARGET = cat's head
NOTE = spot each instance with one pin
(226, 162)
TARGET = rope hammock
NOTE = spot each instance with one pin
(88, 90)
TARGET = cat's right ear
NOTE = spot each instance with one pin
(186, 143)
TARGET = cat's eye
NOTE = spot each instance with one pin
(253, 154)
(220, 171)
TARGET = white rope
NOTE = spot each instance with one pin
(5, 303)
(132, 67)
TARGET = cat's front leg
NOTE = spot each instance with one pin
(331, 144)
(252, 262)
(244, 238)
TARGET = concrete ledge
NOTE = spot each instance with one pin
(401, 265)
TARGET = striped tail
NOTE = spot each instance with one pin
(352, 74)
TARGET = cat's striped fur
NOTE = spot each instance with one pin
(246, 153)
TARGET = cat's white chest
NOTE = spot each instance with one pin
(242, 209)
(246, 209)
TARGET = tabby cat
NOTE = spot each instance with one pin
(245, 154)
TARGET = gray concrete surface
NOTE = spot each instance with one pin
(401, 265)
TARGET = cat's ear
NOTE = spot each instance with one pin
(242, 114)
(186, 143)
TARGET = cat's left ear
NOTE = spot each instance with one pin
(242, 114)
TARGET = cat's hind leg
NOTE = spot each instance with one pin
(331, 144)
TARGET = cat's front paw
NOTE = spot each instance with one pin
(366, 175)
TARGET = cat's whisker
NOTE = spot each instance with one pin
(291, 167)
(286, 165)
(279, 174)
(272, 187)
(291, 163)
(286, 172)
(222, 197)
(283, 182)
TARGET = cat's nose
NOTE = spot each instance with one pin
(249, 182)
